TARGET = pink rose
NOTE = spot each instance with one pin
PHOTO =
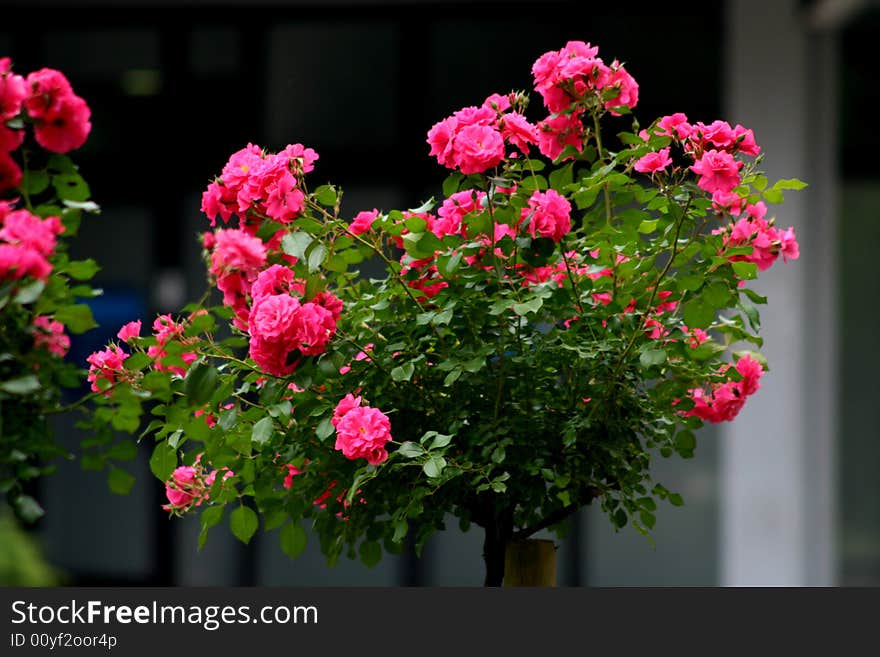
(653, 162)
(49, 335)
(718, 171)
(106, 365)
(184, 489)
(362, 433)
(549, 213)
(129, 331)
(363, 221)
(478, 148)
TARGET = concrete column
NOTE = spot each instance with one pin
(777, 483)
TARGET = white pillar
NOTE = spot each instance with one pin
(777, 461)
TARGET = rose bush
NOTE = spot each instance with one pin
(575, 303)
(42, 199)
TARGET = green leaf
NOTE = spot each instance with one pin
(651, 357)
(675, 499)
(415, 224)
(760, 183)
(212, 516)
(29, 293)
(789, 183)
(440, 440)
(685, 443)
(427, 206)
(697, 314)
(425, 318)
(325, 429)
(263, 431)
(648, 519)
(124, 451)
(401, 527)
(773, 195)
(370, 553)
(227, 418)
(452, 377)
(527, 307)
(295, 244)
(450, 185)
(410, 450)
(433, 467)
(163, 461)
(447, 265)
(61, 164)
(120, 481)
(422, 245)
(89, 461)
(77, 318)
(562, 176)
(293, 539)
(71, 187)
(336, 263)
(316, 257)
(403, 372)
(754, 296)
(82, 270)
(22, 385)
(244, 523)
(201, 382)
(326, 195)
(745, 270)
(34, 182)
(648, 225)
(137, 361)
(27, 508)
(443, 317)
(752, 314)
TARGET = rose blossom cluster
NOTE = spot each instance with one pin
(44, 98)
(474, 139)
(282, 327)
(361, 431)
(189, 486)
(236, 259)
(49, 335)
(255, 185)
(712, 149)
(725, 400)
(547, 214)
(767, 241)
(267, 301)
(107, 366)
(572, 81)
(165, 330)
(26, 244)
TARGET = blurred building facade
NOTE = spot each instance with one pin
(786, 495)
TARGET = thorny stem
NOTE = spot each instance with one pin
(375, 250)
(656, 287)
(574, 287)
(597, 131)
(620, 361)
(24, 192)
